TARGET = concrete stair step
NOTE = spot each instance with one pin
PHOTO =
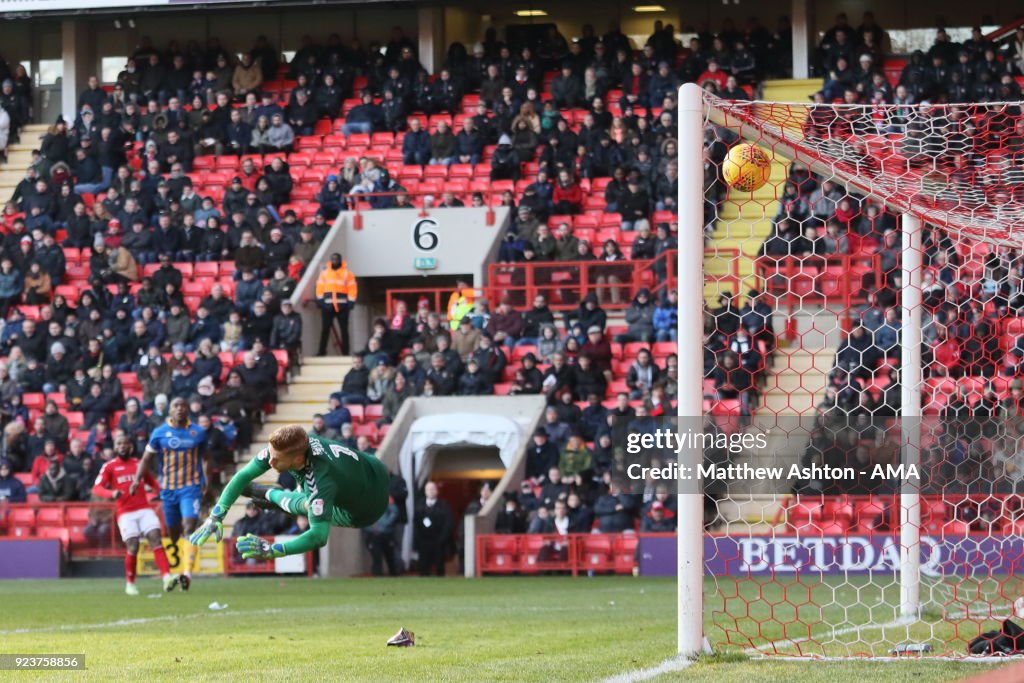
(298, 410)
(789, 403)
(790, 385)
(327, 360)
(324, 377)
(749, 246)
(302, 393)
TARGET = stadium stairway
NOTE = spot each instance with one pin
(754, 210)
(306, 394)
(744, 224)
(797, 90)
(19, 156)
(796, 383)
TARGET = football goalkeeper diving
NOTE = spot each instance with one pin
(340, 486)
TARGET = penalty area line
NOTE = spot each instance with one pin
(670, 665)
(119, 623)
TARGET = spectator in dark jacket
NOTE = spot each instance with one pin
(541, 457)
(505, 161)
(635, 204)
(588, 314)
(432, 531)
(567, 89)
(533, 319)
(473, 382)
(286, 332)
(615, 510)
(416, 144)
(506, 324)
(11, 489)
(364, 118)
(55, 486)
(510, 519)
(469, 144)
(442, 145)
(640, 319)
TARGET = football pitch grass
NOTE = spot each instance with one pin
(491, 629)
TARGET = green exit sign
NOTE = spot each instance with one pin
(424, 263)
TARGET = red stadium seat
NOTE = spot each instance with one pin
(336, 141)
(595, 552)
(436, 171)
(498, 554)
(50, 516)
(367, 429)
(206, 269)
(665, 349)
(77, 518)
(57, 533)
(21, 522)
(358, 141)
(530, 549)
(624, 553)
(33, 401)
(356, 411)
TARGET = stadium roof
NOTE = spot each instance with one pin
(17, 9)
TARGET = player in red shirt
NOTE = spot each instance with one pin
(135, 517)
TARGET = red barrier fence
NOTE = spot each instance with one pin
(573, 553)
(566, 283)
(234, 564)
(84, 529)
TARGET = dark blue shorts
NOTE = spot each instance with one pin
(181, 504)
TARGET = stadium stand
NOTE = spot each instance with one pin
(170, 220)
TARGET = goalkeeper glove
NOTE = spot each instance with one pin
(252, 547)
(213, 525)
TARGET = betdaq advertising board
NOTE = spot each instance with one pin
(752, 555)
(30, 558)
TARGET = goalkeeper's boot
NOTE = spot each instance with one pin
(185, 581)
(170, 582)
(131, 589)
(258, 494)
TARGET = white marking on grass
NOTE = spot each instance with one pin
(670, 665)
(144, 620)
(905, 621)
(977, 659)
(789, 642)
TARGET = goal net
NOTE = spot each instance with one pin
(864, 313)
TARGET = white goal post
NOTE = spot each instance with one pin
(690, 528)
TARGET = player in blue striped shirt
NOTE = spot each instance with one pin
(179, 444)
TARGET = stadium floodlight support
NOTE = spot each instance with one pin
(910, 399)
(690, 527)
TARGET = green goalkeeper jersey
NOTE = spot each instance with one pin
(341, 487)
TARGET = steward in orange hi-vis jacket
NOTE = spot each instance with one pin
(336, 293)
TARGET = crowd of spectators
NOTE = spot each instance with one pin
(969, 290)
(852, 61)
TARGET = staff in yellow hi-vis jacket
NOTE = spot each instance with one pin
(460, 303)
